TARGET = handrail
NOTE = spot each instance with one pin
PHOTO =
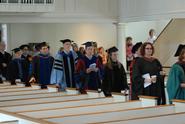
(164, 29)
(166, 66)
(27, 1)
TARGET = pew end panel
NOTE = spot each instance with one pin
(35, 86)
(148, 100)
(179, 105)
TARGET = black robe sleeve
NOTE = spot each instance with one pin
(35, 68)
(124, 78)
(12, 71)
(138, 81)
(6, 58)
(160, 79)
(106, 82)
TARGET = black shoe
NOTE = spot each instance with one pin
(27, 85)
(1, 81)
(107, 94)
(82, 91)
(13, 83)
(43, 87)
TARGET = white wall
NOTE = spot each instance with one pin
(69, 11)
(103, 34)
(143, 10)
(102, 11)
(139, 30)
(18, 34)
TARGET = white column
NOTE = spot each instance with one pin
(121, 45)
(4, 34)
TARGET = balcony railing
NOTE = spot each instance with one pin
(28, 1)
(27, 5)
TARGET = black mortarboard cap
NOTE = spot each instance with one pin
(15, 50)
(40, 45)
(179, 49)
(66, 40)
(23, 46)
(88, 44)
(43, 44)
(112, 49)
(136, 47)
(95, 44)
(37, 46)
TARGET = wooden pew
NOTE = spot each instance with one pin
(54, 97)
(64, 104)
(32, 96)
(59, 104)
(113, 115)
(90, 95)
(175, 118)
(10, 122)
(148, 100)
(16, 89)
(20, 84)
(179, 105)
(24, 99)
(72, 110)
(86, 109)
(7, 116)
(9, 87)
(43, 93)
(73, 103)
(117, 96)
(22, 92)
(126, 118)
(5, 83)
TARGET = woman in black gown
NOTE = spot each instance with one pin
(114, 74)
(147, 75)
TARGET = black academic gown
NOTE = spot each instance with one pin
(4, 58)
(13, 71)
(133, 92)
(38, 67)
(114, 79)
(27, 69)
(153, 67)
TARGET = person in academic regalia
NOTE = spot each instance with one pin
(115, 79)
(136, 54)
(42, 66)
(16, 68)
(95, 47)
(87, 69)
(103, 55)
(129, 55)
(28, 64)
(25, 50)
(76, 50)
(29, 68)
(176, 78)
(147, 74)
(64, 67)
(5, 58)
(82, 51)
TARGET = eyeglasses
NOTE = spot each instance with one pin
(148, 48)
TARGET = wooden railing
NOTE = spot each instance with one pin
(28, 1)
(33, 6)
(164, 29)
